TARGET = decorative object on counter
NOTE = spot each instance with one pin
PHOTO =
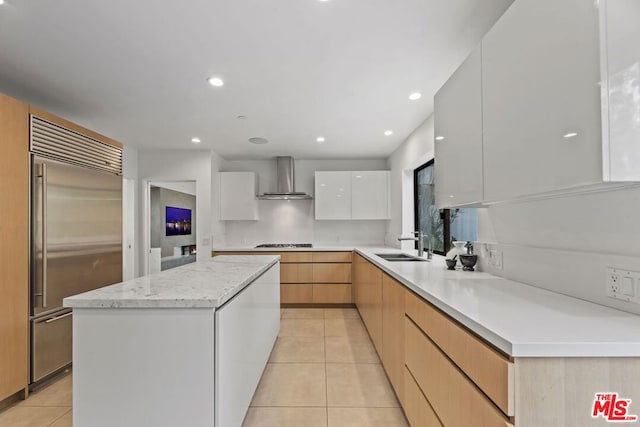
(468, 261)
(451, 263)
(458, 249)
(469, 246)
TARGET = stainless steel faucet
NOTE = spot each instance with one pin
(420, 239)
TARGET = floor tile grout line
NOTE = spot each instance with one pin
(326, 374)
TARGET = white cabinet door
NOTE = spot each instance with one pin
(458, 131)
(370, 195)
(246, 330)
(621, 89)
(238, 196)
(540, 85)
(333, 195)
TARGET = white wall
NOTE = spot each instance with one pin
(413, 152)
(564, 244)
(177, 165)
(293, 221)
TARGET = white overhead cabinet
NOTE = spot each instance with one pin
(370, 195)
(541, 99)
(620, 32)
(352, 195)
(559, 105)
(458, 131)
(238, 196)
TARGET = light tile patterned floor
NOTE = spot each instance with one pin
(323, 372)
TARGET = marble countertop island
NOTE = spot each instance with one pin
(202, 284)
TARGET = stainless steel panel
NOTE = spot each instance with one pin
(51, 344)
(77, 232)
(285, 173)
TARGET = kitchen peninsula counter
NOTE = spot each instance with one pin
(186, 345)
(518, 319)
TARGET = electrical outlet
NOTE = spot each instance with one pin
(495, 259)
(623, 284)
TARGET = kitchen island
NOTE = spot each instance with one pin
(186, 346)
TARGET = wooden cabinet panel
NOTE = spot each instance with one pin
(296, 273)
(416, 407)
(393, 301)
(332, 273)
(455, 399)
(368, 296)
(14, 229)
(332, 293)
(491, 371)
(296, 256)
(332, 256)
(296, 293)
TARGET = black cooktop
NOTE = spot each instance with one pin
(285, 245)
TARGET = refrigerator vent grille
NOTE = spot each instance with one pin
(63, 144)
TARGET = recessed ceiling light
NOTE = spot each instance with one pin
(323, 1)
(388, 132)
(196, 140)
(258, 140)
(1, 1)
(215, 81)
(320, 139)
(570, 135)
(439, 138)
(415, 96)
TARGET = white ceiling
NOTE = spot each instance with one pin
(136, 70)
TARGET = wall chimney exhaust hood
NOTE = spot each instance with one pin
(285, 182)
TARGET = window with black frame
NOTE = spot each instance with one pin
(440, 226)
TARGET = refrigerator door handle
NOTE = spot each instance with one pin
(41, 175)
(44, 235)
(62, 316)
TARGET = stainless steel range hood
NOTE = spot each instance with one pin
(285, 182)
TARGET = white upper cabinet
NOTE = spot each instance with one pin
(458, 131)
(333, 195)
(352, 195)
(238, 196)
(620, 29)
(370, 195)
(541, 99)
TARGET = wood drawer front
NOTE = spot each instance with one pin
(416, 407)
(455, 399)
(331, 273)
(284, 256)
(331, 293)
(490, 370)
(296, 256)
(296, 273)
(296, 294)
(332, 256)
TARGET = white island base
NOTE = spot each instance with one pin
(174, 366)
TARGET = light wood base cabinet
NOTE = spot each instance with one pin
(393, 309)
(14, 267)
(368, 292)
(318, 278)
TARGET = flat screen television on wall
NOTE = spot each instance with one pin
(178, 221)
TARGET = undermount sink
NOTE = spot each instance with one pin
(399, 257)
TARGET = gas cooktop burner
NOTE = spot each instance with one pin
(285, 245)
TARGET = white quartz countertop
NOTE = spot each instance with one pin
(202, 284)
(518, 319)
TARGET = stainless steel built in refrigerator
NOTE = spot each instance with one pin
(76, 235)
